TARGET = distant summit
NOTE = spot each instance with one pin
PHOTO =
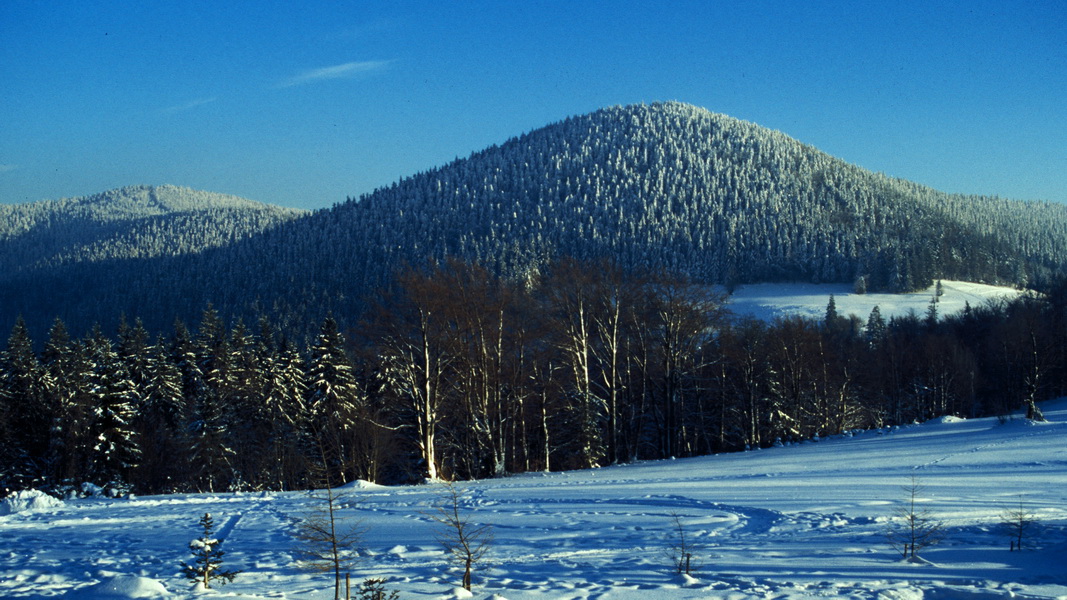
(662, 186)
(135, 202)
(129, 222)
(88, 259)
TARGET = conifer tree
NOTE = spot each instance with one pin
(211, 460)
(59, 362)
(164, 440)
(332, 396)
(117, 402)
(327, 540)
(24, 419)
(285, 415)
(212, 455)
(876, 327)
(207, 557)
(915, 527)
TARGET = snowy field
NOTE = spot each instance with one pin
(796, 522)
(767, 301)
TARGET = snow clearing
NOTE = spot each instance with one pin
(801, 521)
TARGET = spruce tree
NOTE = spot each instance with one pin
(876, 327)
(164, 440)
(332, 395)
(58, 360)
(117, 402)
(207, 553)
(285, 414)
(24, 420)
(831, 313)
(212, 456)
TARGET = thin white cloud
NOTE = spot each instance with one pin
(187, 106)
(342, 71)
(8, 168)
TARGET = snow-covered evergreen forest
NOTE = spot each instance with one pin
(652, 187)
(457, 372)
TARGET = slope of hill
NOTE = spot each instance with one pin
(665, 186)
(794, 523)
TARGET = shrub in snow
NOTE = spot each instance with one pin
(91, 490)
(208, 557)
(374, 589)
(27, 500)
(681, 549)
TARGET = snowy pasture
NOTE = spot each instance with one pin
(794, 522)
(767, 301)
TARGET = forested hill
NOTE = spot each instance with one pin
(726, 201)
(668, 186)
(52, 251)
(652, 186)
(130, 222)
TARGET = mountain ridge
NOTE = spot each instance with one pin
(133, 222)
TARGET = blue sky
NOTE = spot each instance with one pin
(303, 104)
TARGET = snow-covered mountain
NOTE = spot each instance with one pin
(725, 201)
(793, 523)
(653, 187)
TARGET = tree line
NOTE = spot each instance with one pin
(455, 372)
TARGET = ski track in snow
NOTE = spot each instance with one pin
(801, 522)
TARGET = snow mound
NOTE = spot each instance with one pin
(27, 500)
(122, 586)
(948, 419)
(1024, 422)
(361, 484)
(91, 490)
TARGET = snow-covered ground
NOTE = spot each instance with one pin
(796, 522)
(767, 301)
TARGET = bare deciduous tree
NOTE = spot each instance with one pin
(1019, 522)
(914, 528)
(467, 543)
(417, 346)
(327, 541)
